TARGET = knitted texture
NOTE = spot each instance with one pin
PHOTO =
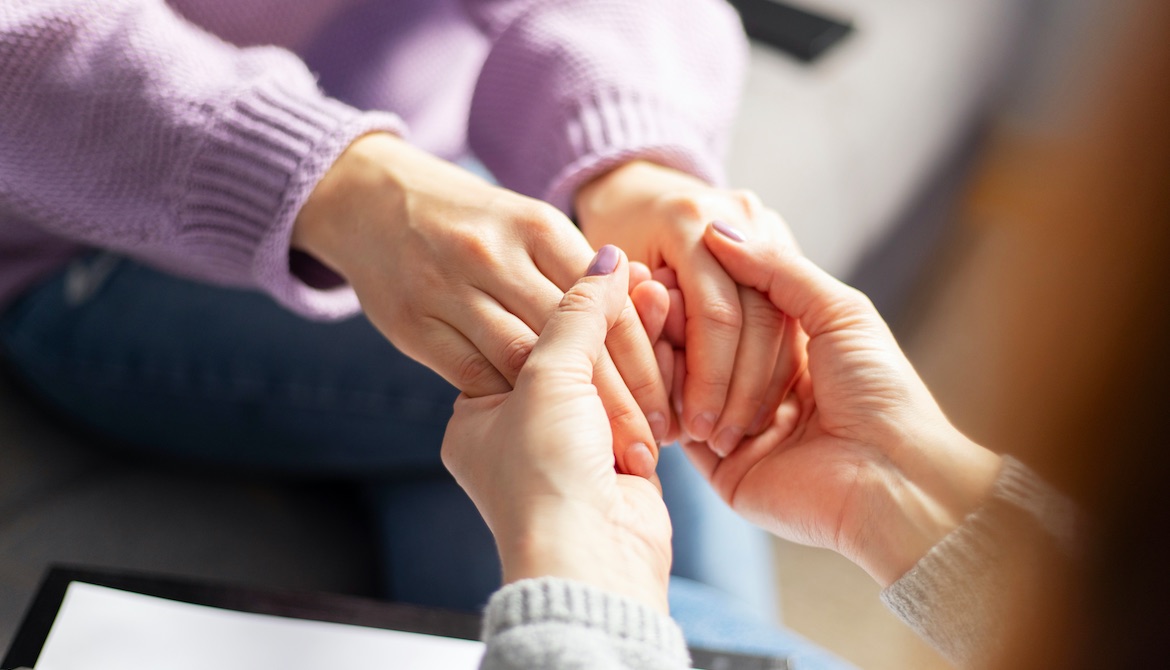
(560, 623)
(958, 597)
(656, 79)
(188, 135)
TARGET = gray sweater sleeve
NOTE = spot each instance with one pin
(958, 597)
(558, 623)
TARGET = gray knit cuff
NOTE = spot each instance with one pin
(957, 596)
(552, 600)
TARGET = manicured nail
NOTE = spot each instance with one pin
(727, 440)
(702, 426)
(639, 460)
(605, 262)
(727, 231)
(658, 425)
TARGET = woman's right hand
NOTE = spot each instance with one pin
(860, 459)
(462, 275)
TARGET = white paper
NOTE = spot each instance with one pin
(99, 628)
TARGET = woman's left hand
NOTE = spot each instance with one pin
(538, 461)
(738, 356)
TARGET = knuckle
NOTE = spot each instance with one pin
(748, 201)
(857, 301)
(682, 206)
(629, 323)
(514, 353)
(645, 385)
(581, 299)
(622, 414)
(473, 246)
(761, 314)
(847, 308)
(540, 218)
(721, 315)
(710, 380)
(474, 371)
(744, 403)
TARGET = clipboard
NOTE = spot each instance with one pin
(348, 611)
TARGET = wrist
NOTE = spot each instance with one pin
(637, 183)
(911, 509)
(361, 183)
(582, 546)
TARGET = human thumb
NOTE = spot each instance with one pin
(573, 340)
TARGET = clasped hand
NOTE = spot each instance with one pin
(858, 459)
(727, 354)
(462, 275)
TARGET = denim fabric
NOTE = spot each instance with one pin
(711, 619)
(184, 371)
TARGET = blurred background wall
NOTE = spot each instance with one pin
(1028, 283)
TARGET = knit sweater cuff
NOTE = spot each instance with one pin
(266, 153)
(548, 601)
(957, 597)
(610, 130)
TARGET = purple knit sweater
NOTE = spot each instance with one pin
(188, 134)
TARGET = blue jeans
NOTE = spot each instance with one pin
(224, 377)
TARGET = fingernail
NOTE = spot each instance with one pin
(658, 425)
(702, 426)
(728, 231)
(639, 460)
(605, 262)
(727, 440)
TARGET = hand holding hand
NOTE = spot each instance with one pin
(462, 276)
(861, 459)
(738, 354)
(538, 464)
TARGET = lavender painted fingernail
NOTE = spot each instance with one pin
(605, 262)
(727, 231)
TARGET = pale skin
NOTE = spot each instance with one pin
(858, 459)
(735, 356)
(462, 275)
(538, 465)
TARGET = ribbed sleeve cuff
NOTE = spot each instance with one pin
(957, 596)
(610, 130)
(550, 600)
(265, 155)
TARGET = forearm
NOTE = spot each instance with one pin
(960, 595)
(168, 145)
(914, 499)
